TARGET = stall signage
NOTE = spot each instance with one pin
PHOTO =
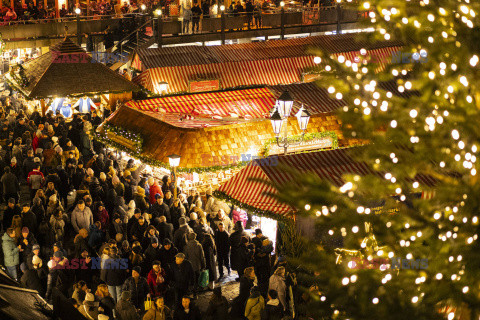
(204, 85)
(312, 144)
(121, 140)
(310, 77)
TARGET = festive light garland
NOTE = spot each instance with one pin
(135, 138)
(265, 213)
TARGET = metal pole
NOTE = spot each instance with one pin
(339, 19)
(223, 26)
(282, 24)
(174, 183)
(159, 31)
(79, 35)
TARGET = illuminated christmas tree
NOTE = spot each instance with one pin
(419, 118)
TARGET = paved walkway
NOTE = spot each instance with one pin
(230, 290)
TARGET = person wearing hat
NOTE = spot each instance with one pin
(58, 276)
(35, 252)
(157, 280)
(26, 241)
(89, 308)
(35, 278)
(167, 255)
(102, 215)
(138, 287)
(139, 198)
(28, 163)
(153, 249)
(29, 219)
(183, 277)
(125, 310)
(11, 186)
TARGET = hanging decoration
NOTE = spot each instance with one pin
(330, 135)
(84, 105)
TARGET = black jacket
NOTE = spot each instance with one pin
(222, 242)
(193, 314)
(165, 231)
(158, 210)
(35, 279)
(139, 290)
(115, 277)
(183, 275)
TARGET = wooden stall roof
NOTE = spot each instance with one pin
(197, 146)
(273, 49)
(67, 70)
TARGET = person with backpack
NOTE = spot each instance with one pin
(255, 305)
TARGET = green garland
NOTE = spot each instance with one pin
(130, 135)
(137, 154)
(307, 137)
(265, 213)
(20, 78)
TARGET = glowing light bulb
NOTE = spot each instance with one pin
(375, 300)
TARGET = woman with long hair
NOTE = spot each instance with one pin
(159, 311)
(105, 299)
(17, 226)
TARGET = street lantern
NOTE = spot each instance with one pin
(279, 118)
(162, 87)
(285, 104)
(277, 122)
(143, 7)
(158, 12)
(303, 116)
(174, 161)
(78, 11)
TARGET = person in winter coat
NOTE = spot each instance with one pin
(29, 219)
(262, 265)
(277, 283)
(159, 311)
(183, 277)
(210, 250)
(157, 280)
(139, 198)
(187, 311)
(102, 215)
(152, 252)
(89, 307)
(167, 255)
(223, 249)
(202, 229)
(180, 235)
(11, 253)
(177, 210)
(194, 253)
(82, 217)
(58, 277)
(115, 277)
(58, 225)
(80, 243)
(35, 278)
(137, 231)
(95, 236)
(10, 184)
(159, 208)
(217, 306)
(255, 305)
(11, 211)
(235, 242)
(35, 180)
(165, 229)
(125, 310)
(273, 309)
(121, 208)
(246, 284)
(153, 190)
(138, 287)
(106, 301)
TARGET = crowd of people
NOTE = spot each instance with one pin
(114, 239)
(190, 11)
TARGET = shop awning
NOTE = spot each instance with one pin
(329, 165)
(259, 63)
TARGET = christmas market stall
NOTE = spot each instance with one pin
(216, 134)
(189, 69)
(67, 79)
